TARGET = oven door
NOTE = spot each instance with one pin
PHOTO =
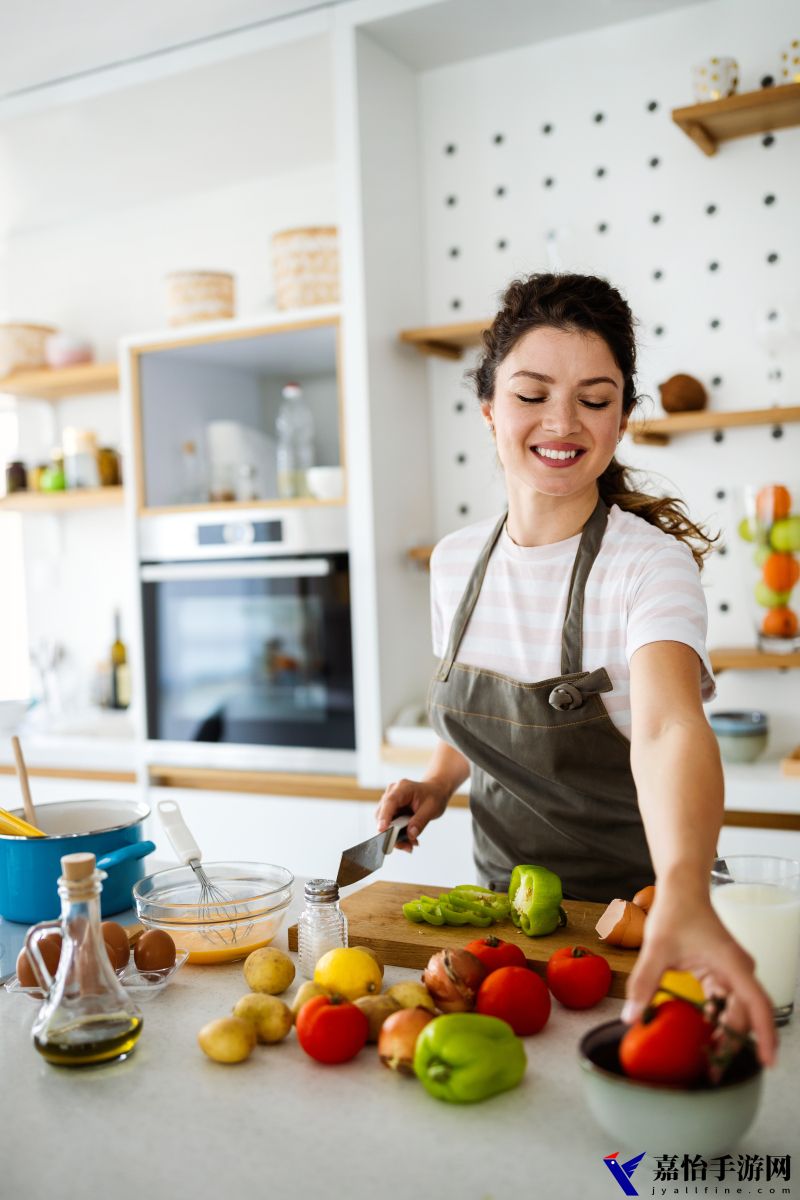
(250, 652)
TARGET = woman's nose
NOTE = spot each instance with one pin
(562, 419)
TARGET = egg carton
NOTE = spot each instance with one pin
(141, 984)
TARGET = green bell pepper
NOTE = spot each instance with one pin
(496, 903)
(425, 909)
(465, 1057)
(465, 905)
(535, 895)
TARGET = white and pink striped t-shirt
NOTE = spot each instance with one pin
(644, 587)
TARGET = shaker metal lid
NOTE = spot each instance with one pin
(320, 891)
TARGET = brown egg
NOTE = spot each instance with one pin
(154, 951)
(50, 950)
(117, 944)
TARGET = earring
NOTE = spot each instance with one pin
(491, 427)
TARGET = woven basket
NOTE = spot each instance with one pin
(22, 346)
(305, 266)
(199, 296)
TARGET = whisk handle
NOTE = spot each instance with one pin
(178, 833)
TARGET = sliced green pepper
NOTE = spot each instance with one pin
(465, 1057)
(425, 909)
(496, 903)
(460, 913)
(459, 907)
(535, 896)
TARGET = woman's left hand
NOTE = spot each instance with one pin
(683, 933)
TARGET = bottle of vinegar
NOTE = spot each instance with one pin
(120, 672)
(295, 429)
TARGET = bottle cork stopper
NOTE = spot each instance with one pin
(75, 867)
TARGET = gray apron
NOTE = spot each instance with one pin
(551, 780)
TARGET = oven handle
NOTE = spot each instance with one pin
(281, 568)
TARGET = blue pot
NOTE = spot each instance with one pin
(112, 830)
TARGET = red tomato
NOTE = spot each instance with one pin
(517, 995)
(331, 1030)
(668, 1045)
(495, 953)
(577, 977)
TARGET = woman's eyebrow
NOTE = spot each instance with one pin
(581, 382)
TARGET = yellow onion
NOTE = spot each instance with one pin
(453, 977)
(397, 1039)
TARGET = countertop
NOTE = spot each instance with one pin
(169, 1123)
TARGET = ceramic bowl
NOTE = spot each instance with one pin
(704, 1120)
(325, 483)
(742, 734)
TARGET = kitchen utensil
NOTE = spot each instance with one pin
(261, 894)
(742, 735)
(215, 903)
(30, 867)
(16, 827)
(375, 919)
(22, 775)
(361, 860)
(709, 1119)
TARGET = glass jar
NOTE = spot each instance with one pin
(322, 925)
(16, 477)
(769, 535)
(87, 1016)
(108, 467)
(80, 458)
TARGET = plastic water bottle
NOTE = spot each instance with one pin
(295, 429)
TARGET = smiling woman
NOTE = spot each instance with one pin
(570, 633)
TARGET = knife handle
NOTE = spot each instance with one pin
(396, 831)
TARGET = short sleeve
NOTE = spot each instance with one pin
(667, 604)
(437, 614)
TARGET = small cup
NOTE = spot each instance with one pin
(789, 63)
(757, 898)
(715, 78)
(742, 735)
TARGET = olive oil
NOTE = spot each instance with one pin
(90, 1040)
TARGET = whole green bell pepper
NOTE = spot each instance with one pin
(535, 895)
(465, 1057)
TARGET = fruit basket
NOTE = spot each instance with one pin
(769, 534)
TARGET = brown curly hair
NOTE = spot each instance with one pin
(589, 304)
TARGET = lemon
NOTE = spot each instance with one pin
(348, 972)
(681, 983)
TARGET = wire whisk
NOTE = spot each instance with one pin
(215, 904)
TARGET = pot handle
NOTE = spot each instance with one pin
(125, 853)
(34, 954)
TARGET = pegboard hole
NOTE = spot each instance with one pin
(600, 172)
(450, 201)
(498, 139)
(454, 252)
(714, 323)
(652, 106)
(549, 181)
(659, 331)
(658, 274)
(716, 381)
(502, 244)
(459, 406)
(450, 148)
(455, 303)
(654, 162)
(500, 191)
(710, 210)
(461, 459)
(718, 436)
(777, 431)
(463, 510)
(724, 606)
(720, 493)
(713, 265)
(655, 218)
(768, 141)
(598, 118)
(772, 257)
(770, 198)
(548, 128)
(602, 227)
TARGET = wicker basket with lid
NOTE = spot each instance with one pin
(305, 263)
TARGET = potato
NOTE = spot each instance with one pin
(376, 1009)
(307, 991)
(269, 1016)
(412, 995)
(227, 1040)
(268, 970)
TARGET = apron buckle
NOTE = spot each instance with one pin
(565, 696)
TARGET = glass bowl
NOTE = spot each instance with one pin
(246, 912)
(708, 1118)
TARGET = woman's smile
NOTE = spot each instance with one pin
(558, 454)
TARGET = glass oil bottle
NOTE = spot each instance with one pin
(87, 1016)
(322, 925)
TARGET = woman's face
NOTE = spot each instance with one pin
(556, 411)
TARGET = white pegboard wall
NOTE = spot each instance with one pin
(575, 137)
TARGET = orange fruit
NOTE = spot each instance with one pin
(773, 503)
(781, 572)
(780, 623)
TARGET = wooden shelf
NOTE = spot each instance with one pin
(262, 783)
(68, 501)
(56, 383)
(659, 430)
(740, 116)
(154, 510)
(746, 658)
(445, 341)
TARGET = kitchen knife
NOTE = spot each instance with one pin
(361, 860)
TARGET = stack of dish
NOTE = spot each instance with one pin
(742, 735)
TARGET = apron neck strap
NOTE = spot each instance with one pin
(468, 601)
(572, 629)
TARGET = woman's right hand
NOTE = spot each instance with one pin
(426, 798)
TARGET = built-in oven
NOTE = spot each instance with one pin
(247, 636)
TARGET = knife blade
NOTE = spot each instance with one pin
(361, 860)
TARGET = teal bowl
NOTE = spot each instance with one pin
(742, 734)
(701, 1120)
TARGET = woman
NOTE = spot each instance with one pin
(586, 589)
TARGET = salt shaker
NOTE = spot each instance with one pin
(322, 925)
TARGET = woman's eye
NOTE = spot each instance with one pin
(531, 399)
(595, 403)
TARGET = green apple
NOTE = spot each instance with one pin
(761, 555)
(768, 598)
(747, 530)
(785, 535)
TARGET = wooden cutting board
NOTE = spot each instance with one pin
(375, 919)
